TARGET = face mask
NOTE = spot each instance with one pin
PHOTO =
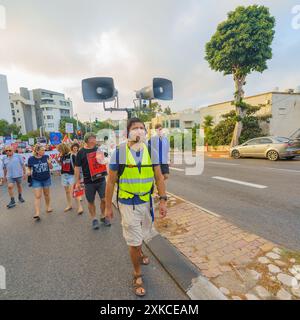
(137, 135)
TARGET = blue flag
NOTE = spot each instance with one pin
(55, 138)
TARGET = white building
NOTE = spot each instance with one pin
(23, 110)
(5, 112)
(283, 107)
(185, 119)
(51, 107)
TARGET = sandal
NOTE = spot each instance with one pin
(138, 287)
(49, 210)
(144, 260)
(36, 218)
(68, 209)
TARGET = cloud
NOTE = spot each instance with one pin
(55, 44)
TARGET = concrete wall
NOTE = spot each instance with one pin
(24, 112)
(187, 119)
(5, 110)
(52, 110)
(285, 114)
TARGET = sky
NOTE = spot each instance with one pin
(55, 44)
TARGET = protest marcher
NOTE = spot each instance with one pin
(160, 144)
(94, 174)
(39, 166)
(75, 147)
(67, 162)
(14, 173)
(1, 172)
(132, 169)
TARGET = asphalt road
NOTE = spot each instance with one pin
(264, 197)
(63, 258)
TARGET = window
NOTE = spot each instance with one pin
(50, 125)
(49, 109)
(18, 111)
(252, 142)
(188, 124)
(50, 117)
(282, 110)
(19, 119)
(14, 118)
(175, 124)
(265, 141)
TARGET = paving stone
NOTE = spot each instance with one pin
(255, 275)
(263, 260)
(262, 292)
(225, 291)
(293, 271)
(292, 260)
(267, 247)
(273, 269)
(280, 263)
(236, 298)
(283, 295)
(297, 268)
(273, 255)
(296, 292)
(250, 296)
(287, 280)
(277, 250)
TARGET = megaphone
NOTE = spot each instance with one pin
(100, 89)
(161, 89)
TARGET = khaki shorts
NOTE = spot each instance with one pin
(136, 223)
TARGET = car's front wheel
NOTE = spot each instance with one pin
(273, 155)
(235, 154)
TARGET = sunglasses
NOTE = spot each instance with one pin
(8, 150)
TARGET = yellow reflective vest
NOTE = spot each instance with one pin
(136, 181)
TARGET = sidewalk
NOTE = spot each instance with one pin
(243, 266)
(217, 154)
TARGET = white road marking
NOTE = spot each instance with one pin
(287, 170)
(223, 163)
(248, 184)
(177, 169)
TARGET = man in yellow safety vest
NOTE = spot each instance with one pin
(133, 169)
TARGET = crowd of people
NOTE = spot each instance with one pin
(134, 167)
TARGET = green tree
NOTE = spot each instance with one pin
(148, 113)
(223, 131)
(241, 45)
(24, 137)
(208, 128)
(33, 134)
(168, 111)
(7, 129)
(62, 125)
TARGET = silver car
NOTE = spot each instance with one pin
(272, 148)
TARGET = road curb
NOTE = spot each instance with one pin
(182, 271)
(187, 276)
